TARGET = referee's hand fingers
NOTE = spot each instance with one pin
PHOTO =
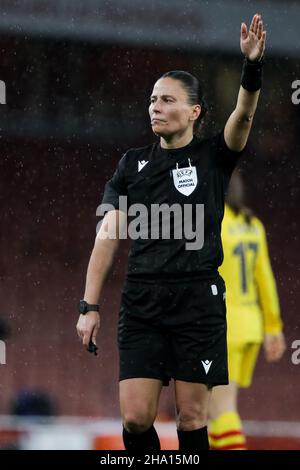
(94, 334)
(83, 330)
(79, 329)
(88, 325)
(86, 337)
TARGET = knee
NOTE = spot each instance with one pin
(137, 423)
(191, 417)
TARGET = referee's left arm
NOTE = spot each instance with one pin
(237, 128)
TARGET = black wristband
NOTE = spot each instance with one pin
(252, 75)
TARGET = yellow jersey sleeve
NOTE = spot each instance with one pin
(266, 286)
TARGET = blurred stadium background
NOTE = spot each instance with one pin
(78, 77)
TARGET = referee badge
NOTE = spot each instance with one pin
(185, 179)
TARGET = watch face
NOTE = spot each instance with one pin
(82, 306)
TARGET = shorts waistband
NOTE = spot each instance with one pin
(172, 277)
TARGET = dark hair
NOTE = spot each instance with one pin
(4, 329)
(194, 91)
(235, 197)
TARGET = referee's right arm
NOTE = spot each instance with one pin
(101, 260)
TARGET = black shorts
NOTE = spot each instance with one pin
(174, 330)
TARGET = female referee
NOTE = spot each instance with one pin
(172, 321)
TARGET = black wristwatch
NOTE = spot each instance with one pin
(84, 307)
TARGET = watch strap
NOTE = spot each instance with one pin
(92, 307)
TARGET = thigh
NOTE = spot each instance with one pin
(235, 361)
(249, 360)
(192, 397)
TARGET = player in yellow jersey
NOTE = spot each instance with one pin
(253, 314)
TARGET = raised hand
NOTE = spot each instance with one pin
(253, 42)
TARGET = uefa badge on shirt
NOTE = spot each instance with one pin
(185, 179)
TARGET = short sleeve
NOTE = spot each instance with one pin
(116, 186)
(227, 159)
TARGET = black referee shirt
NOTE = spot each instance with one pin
(198, 173)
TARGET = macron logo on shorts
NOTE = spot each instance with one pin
(206, 364)
(141, 165)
